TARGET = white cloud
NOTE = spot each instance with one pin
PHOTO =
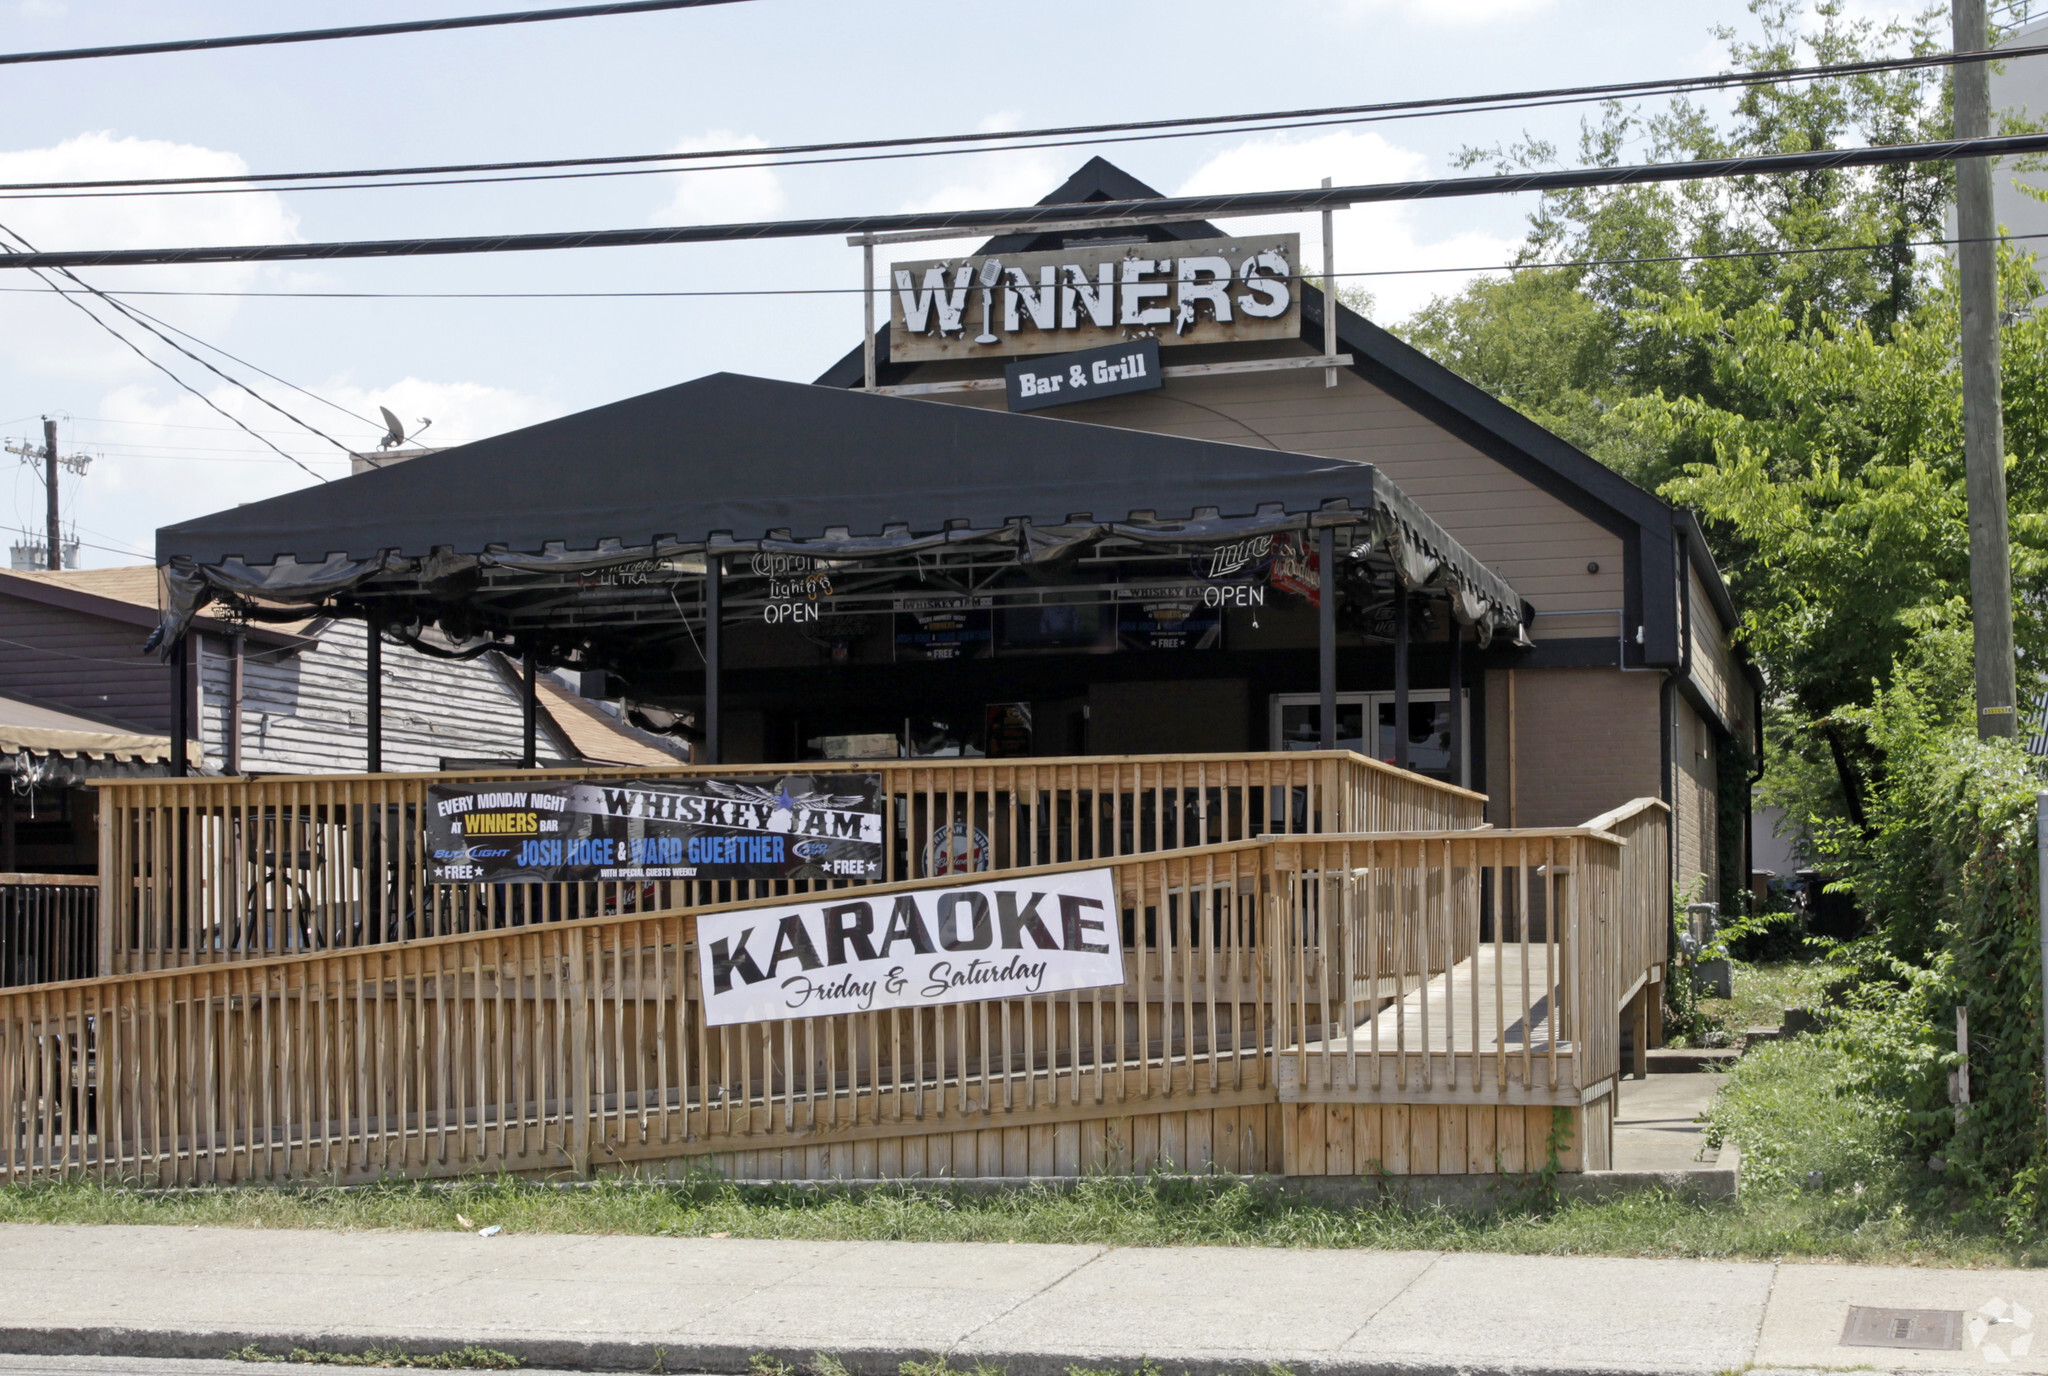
(706, 195)
(51, 339)
(1451, 13)
(1369, 238)
(998, 181)
(42, 9)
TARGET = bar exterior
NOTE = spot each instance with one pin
(1630, 684)
(1140, 723)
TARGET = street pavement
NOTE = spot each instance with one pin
(708, 1304)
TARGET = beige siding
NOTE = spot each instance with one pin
(1713, 662)
(1697, 778)
(1577, 742)
(1532, 539)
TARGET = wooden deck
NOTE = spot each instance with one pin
(1342, 1005)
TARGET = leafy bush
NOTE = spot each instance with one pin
(1946, 871)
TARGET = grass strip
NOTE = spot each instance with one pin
(1842, 1223)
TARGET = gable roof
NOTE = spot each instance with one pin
(130, 595)
(595, 736)
(1653, 526)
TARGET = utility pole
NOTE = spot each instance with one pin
(1983, 403)
(56, 550)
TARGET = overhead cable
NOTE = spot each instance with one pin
(1532, 265)
(1020, 219)
(264, 40)
(143, 354)
(1333, 114)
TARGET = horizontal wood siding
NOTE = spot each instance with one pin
(1529, 537)
(307, 713)
(83, 663)
(1698, 783)
(1713, 662)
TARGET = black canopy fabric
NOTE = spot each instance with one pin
(729, 462)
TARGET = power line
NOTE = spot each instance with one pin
(1521, 266)
(143, 354)
(1021, 218)
(260, 40)
(1336, 114)
(282, 382)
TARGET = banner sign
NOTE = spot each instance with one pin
(1064, 378)
(1182, 616)
(798, 827)
(1202, 291)
(998, 939)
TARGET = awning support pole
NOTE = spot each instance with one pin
(373, 673)
(867, 296)
(529, 711)
(714, 576)
(1400, 674)
(1329, 292)
(231, 748)
(1457, 702)
(181, 708)
(1326, 636)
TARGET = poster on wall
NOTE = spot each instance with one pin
(801, 826)
(996, 939)
(932, 629)
(1170, 617)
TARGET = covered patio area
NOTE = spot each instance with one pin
(806, 573)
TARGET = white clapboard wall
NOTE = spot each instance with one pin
(307, 711)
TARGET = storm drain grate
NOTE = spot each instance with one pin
(1932, 1330)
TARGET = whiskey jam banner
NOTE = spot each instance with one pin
(798, 827)
(991, 940)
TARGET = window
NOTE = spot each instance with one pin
(1297, 722)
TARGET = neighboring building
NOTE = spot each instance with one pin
(2019, 89)
(46, 757)
(1632, 687)
(73, 642)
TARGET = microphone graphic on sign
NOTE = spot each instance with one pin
(991, 273)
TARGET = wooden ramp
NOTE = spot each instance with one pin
(1494, 1028)
(1502, 999)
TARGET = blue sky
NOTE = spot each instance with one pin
(768, 71)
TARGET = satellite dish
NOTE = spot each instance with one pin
(394, 431)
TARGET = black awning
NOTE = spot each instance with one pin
(746, 457)
(729, 462)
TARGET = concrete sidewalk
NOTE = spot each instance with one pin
(707, 1304)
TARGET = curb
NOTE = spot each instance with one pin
(728, 1359)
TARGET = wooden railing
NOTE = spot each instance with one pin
(1353, 965)
(580, 1045)
(1456, 967)
(49, 928)
(197, 871)
(1644, 827)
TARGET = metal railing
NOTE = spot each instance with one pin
(49, 928)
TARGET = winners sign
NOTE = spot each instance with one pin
(1201, 291)
(799, 827)
(845, 954)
